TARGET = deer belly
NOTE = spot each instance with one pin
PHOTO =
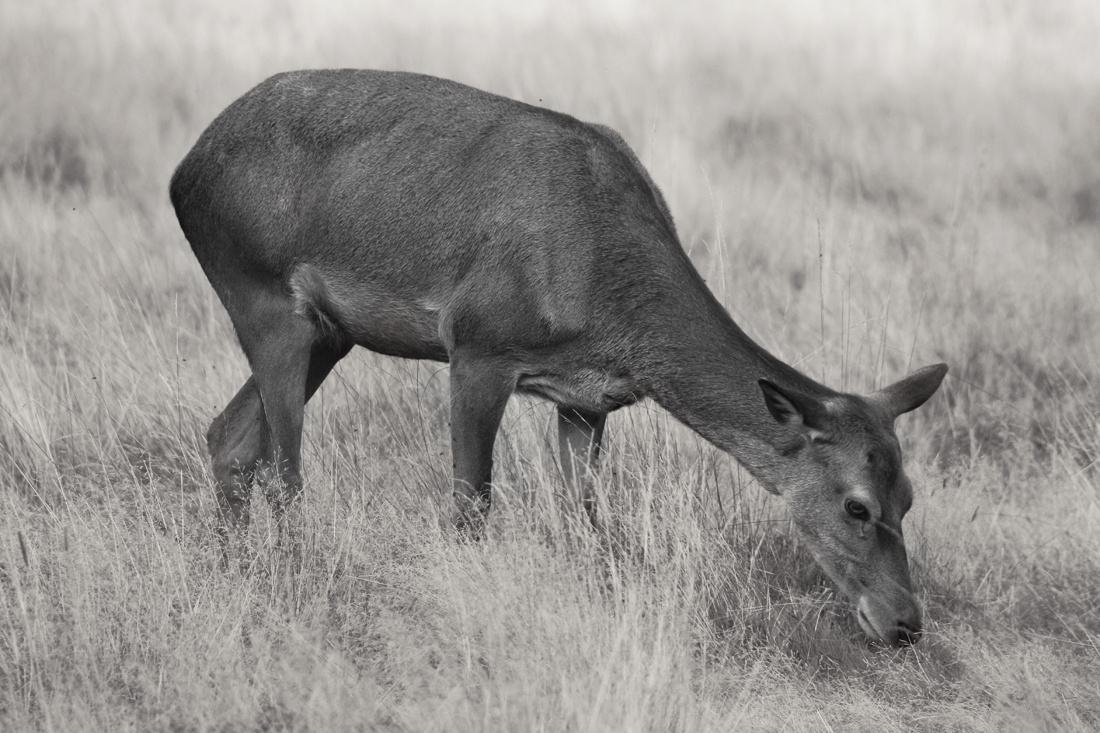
(368, 316)
(588, 389)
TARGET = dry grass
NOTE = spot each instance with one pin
(867, 186)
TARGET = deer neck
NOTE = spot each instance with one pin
(707, 376)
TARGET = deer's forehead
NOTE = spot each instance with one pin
(863, 432)
(867, 445)
(854, 409)
(887, 477)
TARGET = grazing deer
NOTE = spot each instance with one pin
(425, 219)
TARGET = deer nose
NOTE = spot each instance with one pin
(908, 635)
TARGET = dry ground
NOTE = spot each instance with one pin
(867, 186)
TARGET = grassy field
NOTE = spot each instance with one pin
(868, 187)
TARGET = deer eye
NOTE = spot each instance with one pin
(857, 510)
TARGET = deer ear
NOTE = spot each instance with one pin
(912, 391)
(795, 410)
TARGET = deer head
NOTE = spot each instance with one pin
(847, 492)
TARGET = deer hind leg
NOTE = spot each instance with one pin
(580, 433)
(291, 382)
(259, 435)
(237, 439)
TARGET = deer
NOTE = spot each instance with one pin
(532, 252)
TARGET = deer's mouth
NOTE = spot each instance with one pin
(867, 624)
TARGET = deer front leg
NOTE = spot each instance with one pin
(479, 391)
(580, 433)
